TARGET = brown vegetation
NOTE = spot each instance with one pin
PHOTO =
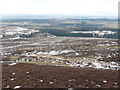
(44, 76)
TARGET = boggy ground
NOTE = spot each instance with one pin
(44, 76)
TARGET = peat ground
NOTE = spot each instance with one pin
(45, 76)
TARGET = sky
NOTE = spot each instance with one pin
(59, 7)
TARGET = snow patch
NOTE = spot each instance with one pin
(12, 79)
(12, 64)
(17, 87)
(54, 52)
(104, 81)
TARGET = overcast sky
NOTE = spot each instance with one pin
(62, 7)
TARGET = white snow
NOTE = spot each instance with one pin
(54, 52)
(51, 82)
(97, 65)
(12, 79)
(7, 87)
(99, 33)
(115, 83)
(13, 73)
(17, 87)
(66, 51)
(109, 55)
(76, 54)
(113, 62)
(12, 64)
(1, 35)
(27, 72)
(16, 37)
(98, 85)
(40, 80)
(19, 31)
(104, 81)
(70, 80)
